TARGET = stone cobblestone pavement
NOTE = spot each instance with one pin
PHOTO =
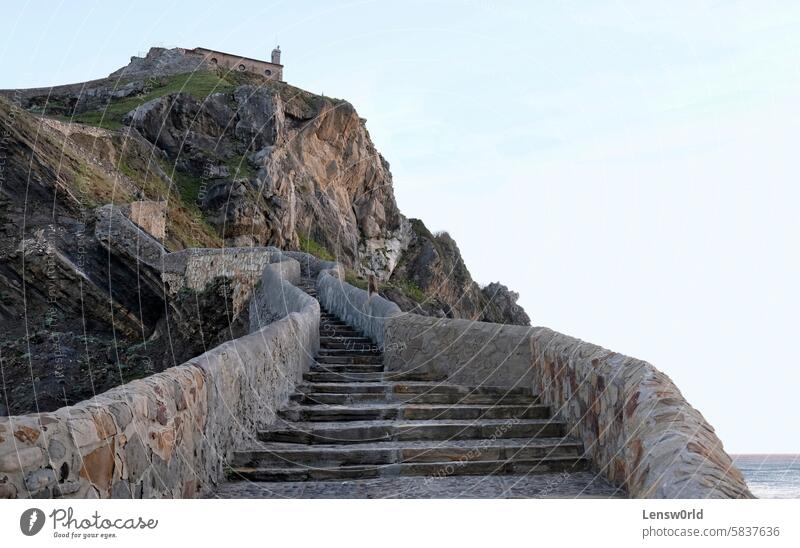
(564, 485)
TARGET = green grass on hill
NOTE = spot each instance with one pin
(189, 187)
(199, 85)
(410, 289)
(353, 279)
(318, 250)
(240, 168)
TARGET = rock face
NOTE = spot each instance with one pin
(194, 158)
(502, 305)
(278, 166)
(433, 263)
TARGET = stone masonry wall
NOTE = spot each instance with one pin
(167, 435)
(270, 71)
(150, 216)
(194, 268)
(462, 351)
(635, 425)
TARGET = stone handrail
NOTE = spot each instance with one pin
(639, 431)
(168, 435)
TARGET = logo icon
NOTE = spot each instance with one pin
(31, 521)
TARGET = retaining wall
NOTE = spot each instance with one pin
(169, 434)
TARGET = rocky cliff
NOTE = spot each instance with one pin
(236, 161)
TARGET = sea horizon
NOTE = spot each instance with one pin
(770, 475)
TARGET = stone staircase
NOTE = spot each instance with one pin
(350, 421)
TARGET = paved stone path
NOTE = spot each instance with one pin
(353, 431)
(553, 485)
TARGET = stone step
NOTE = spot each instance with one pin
(347, 368)
(412, 388)
(334, 322)
(344, 377)
(314, 376)
(433, 469)
(333, 352)
(328, 325)
(341, 388)
(315, 398)
(287, 455)
(388, 430)
(351, 343)
(339, 332)
(386, 411)
(348, 359)
(345, 346)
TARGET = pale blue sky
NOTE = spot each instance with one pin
(629, 167)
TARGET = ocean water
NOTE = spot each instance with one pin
(771, 476)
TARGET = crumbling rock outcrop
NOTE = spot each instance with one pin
(501, 305)
(160, 62)
(433, 263)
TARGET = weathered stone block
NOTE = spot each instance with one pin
(56, 450)
(83, 431)
(121, 490)
(8, 491)
(26, 434)
(98, 467)
(40, 479)
(137, 458)
(66, 488)
(23, 459)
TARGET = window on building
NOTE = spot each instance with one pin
(267, 72)
(213, 60)
(241, 68)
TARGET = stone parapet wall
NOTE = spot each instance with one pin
(311, 266)
(635, 425)
(196, 267)
(462, 351)
(167, 435)
(277, 295)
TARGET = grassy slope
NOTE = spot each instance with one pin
(199, 84)
(58, 161)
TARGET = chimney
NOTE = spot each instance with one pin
(276, 56)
